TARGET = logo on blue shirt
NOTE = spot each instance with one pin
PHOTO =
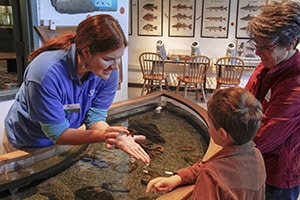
(91, 93)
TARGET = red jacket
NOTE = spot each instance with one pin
(236, 172)
(279, 137)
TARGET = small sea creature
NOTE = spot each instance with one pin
(182, 6)
(185, 148)
(132, 132)
(116, 187)
(126, 168)
(94, 192)
(150, 130)
(216, 18)
(149, 17)
(169, 172)
(182, 25)
(158, 109)
(149, 27)
(250, 8)
(157, 149)
(247, 18)
(216, 8)
(98, 162)
(215, 28)
(191, 159)
(180, 16)
(150, 6)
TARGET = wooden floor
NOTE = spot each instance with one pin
(134, 91)
(135, 81)
(135, 76)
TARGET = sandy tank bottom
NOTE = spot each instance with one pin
(112, 174)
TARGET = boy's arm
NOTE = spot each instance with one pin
(164, 183)
(190, 174)
(182, 177)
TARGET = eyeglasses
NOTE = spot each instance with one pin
(263, 48)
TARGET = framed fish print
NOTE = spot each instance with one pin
(215, 18)
(182, 18)
(246, 9)
(150, 17)
(130, 18)
(245, 50)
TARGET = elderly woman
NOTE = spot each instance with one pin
(275, 33)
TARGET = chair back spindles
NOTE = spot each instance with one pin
(194, 75)
(229, 71)
(153, 70)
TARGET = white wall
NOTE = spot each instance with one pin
(212, 47)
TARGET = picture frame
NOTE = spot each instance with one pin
(182, 18)
(215, 18)
(245, 50)
(150, 16)
(130, 18)
(246, 9)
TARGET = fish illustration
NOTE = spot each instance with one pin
(216, 28)
(182, 6)
(250, 8)
(216, 8)
(240, 52)
(250, 48)
(241, 45)
(149, 27)
(180, 16)
(216, 18)
(150, 6)
(247, 18)
(149, 17)
(243, 28)
(249, 55)
(182, 25)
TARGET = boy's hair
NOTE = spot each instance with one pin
(237, 111)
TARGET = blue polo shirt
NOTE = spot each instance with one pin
(52, 97)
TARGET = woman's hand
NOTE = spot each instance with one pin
(126, 142)
(163, 183)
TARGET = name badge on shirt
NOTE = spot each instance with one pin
(268, 95)
(71, 108)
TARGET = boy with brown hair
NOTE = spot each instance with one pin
(236, 171)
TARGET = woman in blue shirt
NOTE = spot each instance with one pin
(70, 81)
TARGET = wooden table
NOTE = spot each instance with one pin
(178, 60)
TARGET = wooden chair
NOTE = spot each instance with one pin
(153, 69)
(229, 71)
(194, 74)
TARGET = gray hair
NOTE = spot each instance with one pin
(278, 22)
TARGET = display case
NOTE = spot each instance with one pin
(6, 27)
